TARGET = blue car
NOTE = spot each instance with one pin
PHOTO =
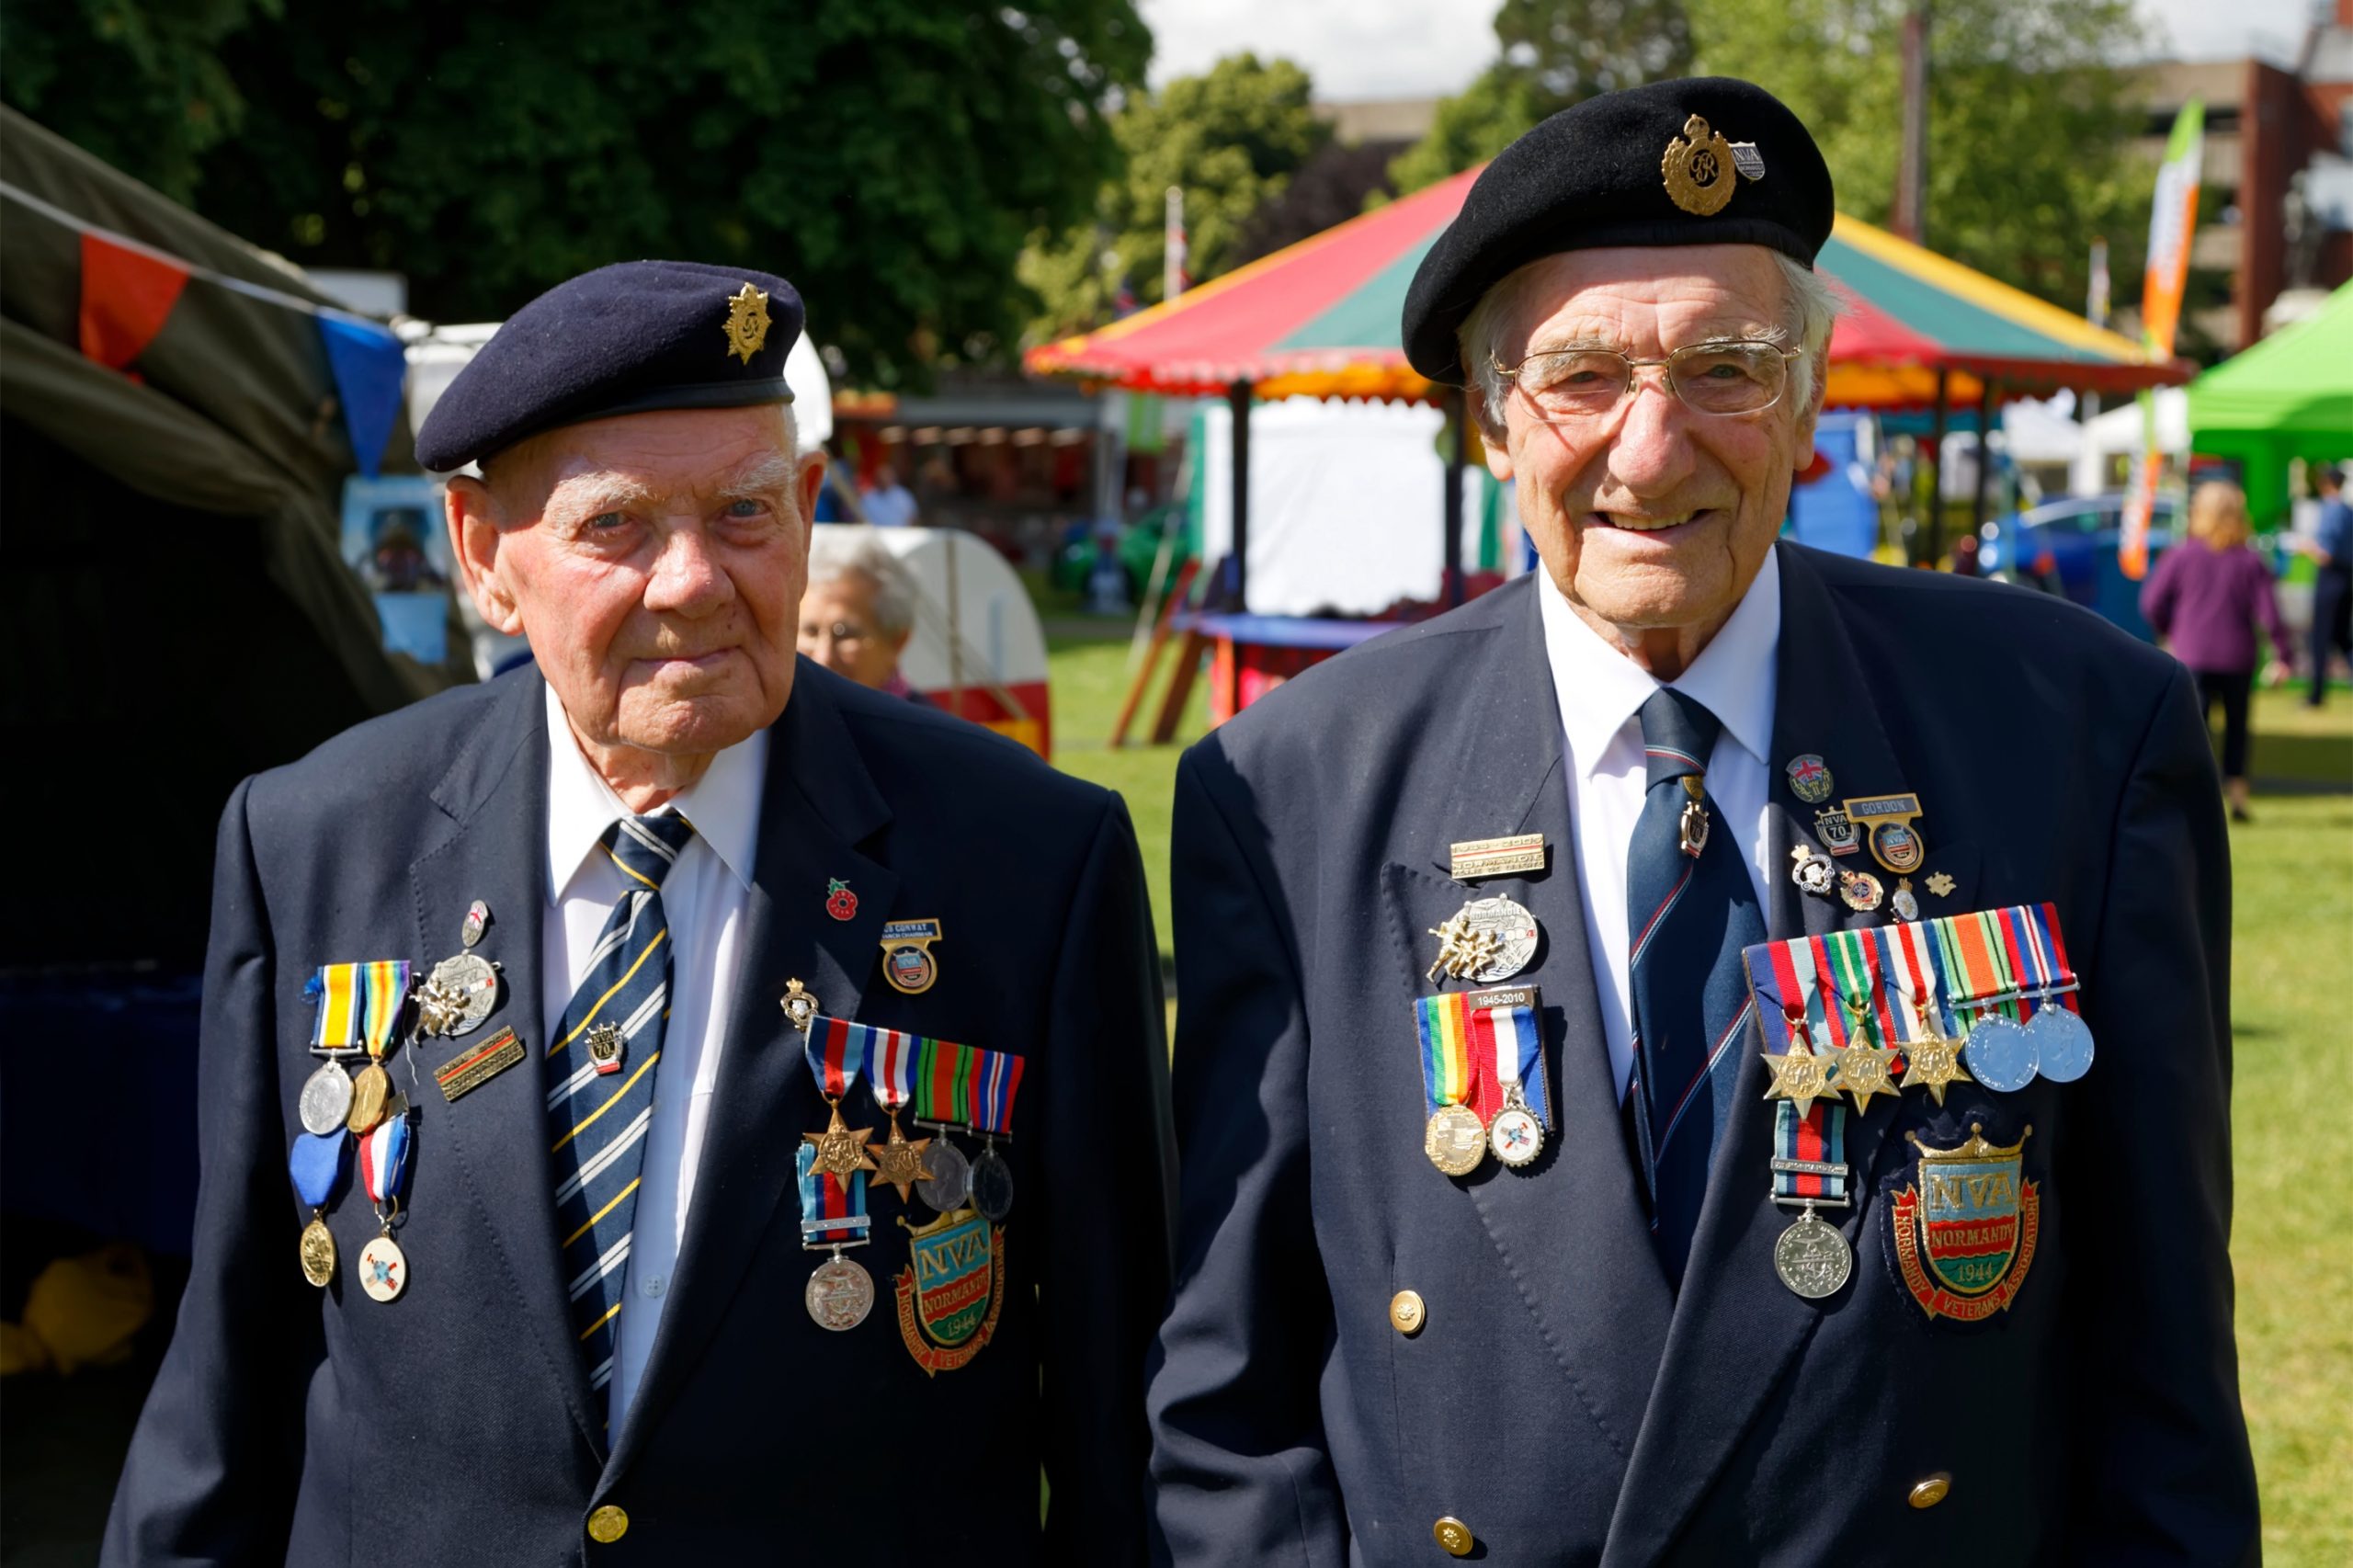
(2068, 547)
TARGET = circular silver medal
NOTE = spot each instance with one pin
(1516, 1136)
(327, 1099)
(466, 987)
(950, 1186)
(383, 1269)
(2063, 1043)
(1489, 940)
(992, 1184)
(2000, 1055)
(839, 1294)
(1813, 1258)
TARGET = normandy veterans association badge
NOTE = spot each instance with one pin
(951, 1291)
(1965, 1235)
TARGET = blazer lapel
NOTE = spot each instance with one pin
(1736, 1330)
(496, 795)
(819, 805)
(1572, 1224)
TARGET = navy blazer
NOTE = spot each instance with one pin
(454, 1425)
(1559, 1399)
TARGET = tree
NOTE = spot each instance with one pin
(2030, 127)
(1554, 54)
(1229, 139)
(889, 157)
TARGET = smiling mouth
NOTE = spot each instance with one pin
(1628, 522)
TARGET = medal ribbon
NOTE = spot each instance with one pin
(1448, 1066)
(385, 984)
(943, 1084)
(1854, 961)
(828, 1197)
(2044, 918)
(1903, 957)
(1820, 978)
(383, 1159)
(996, 1080)
(316, 1166)
(837, 1052)
(336, 990)
(1819, 1137)
(892, 1055)
(1505, 1049)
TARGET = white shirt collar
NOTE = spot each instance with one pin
(1600, 688)
(724, 804)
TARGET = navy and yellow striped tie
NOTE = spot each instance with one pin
(598, 1120)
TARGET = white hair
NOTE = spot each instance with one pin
(838, 550)
(1811, 310)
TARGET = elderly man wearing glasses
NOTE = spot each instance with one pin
(859, 608)
(1729, 924)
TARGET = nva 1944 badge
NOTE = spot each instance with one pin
(951, 1291)
(1964, 1237)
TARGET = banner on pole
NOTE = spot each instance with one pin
(2173, 219)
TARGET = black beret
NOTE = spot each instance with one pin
(630, 338)
(1632, 168)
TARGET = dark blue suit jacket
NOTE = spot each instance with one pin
(454, 1425)
(1560, 1399)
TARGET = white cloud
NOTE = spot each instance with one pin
(1404, 48)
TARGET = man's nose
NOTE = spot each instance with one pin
(1650, 453)
(687, 577)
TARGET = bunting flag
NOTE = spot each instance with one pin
(369, 368)
(127, 294)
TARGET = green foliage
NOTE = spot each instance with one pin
(2030, 127)
(1229, 139)
(1554, 54)
(889, 157)
(140, 83)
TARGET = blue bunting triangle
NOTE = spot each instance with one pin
(369, 368)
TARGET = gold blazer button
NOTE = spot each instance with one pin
(1453, 1535)
(1406, 1313)
(1931, 1492)
(608, 1525)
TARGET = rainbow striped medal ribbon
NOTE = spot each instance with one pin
(383, 988)
(1454, 1138)
(830, 1169)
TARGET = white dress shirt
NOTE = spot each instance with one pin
(704, 899)
(1602, 693)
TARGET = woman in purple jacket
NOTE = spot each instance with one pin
(2207, 594)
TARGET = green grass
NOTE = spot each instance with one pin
(2292, 1100)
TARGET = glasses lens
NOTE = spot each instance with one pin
(1727, 378)
(1577, 384)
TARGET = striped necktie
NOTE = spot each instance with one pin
(1689, 916)
(598, 1111)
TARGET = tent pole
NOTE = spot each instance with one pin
(1237, 398)
(1458, 452)
(1936, 551)
(1984, 456)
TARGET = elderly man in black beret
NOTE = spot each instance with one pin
(671, 1104)
(1730, 926)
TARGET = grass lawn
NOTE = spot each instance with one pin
(2292, 989)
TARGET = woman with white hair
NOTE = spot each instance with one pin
(858, 609)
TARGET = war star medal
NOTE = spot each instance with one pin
(747, 321)
(1864, 1070)
(899, 1162)
(1935, 1060)
(1940, 885)
(841, 1150)
(1799, 1073)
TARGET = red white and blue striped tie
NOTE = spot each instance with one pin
(597, 1121)
(1689, 916)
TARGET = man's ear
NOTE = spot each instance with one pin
(474, 518)
(1493, 443)
(806, 485)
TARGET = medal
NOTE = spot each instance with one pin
(1488, 939)
(1517, 855)
(368, 1092)
(1902, 900)
(837, 1052)
(1808, 1165)
(1802, 1073)
(907, 963)
(991, 1182)
(383, 1268)
(1975, 961)
(457, 996)
(327, 1099)
(2062, 1041)
(1812, 872)
(1808, 781)
(949, 1186)
(382, 989)
(833, 1216)
(1894, 842)
(839, 1294)
(1511, 1098)
(1864, 1069)
(1454, 1141)
(898, 1162)
(1454, 1138)
(1801, 1076)
(1931, 1056)
(1809, 1169)
(1860, 890)
(1811, 1258)
(315, 1164)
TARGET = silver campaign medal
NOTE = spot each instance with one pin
(992, 1184)
(1487, 940)
(327, 1099)
(2063, 1043)
(460, 994)
(1812, 1259)
(839, 1294)
(2000, 1054)
(949, 1186)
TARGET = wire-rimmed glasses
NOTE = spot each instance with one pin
(1569, 385)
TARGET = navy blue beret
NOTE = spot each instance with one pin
(630, 338)
(1709, 160)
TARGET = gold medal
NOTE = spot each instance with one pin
(369, 1091)
(899, 1162)
(1455, 1141)
(318, 1251)
(841, 1149)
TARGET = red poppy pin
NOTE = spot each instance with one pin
(840, 903)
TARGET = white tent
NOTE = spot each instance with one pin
(2117, 433)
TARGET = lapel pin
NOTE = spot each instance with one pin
(1862, 891)
(1810, 869)
(1905, 906)
(1940, 884)
(1894, 843)
(1809, 778)
(477, 917)
(907, 963)
(840, 903)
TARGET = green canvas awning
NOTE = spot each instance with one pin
(2290, 396)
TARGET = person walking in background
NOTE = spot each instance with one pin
(888, 503)
(2331, 551)
(2204, 599)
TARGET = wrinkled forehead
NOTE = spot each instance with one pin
(1642, 299)
(683, 455)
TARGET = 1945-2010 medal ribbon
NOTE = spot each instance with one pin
(1483, 1077)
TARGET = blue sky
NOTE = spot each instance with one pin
(1375, 49)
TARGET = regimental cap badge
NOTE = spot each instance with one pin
(747, 321)
(1699, 166)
